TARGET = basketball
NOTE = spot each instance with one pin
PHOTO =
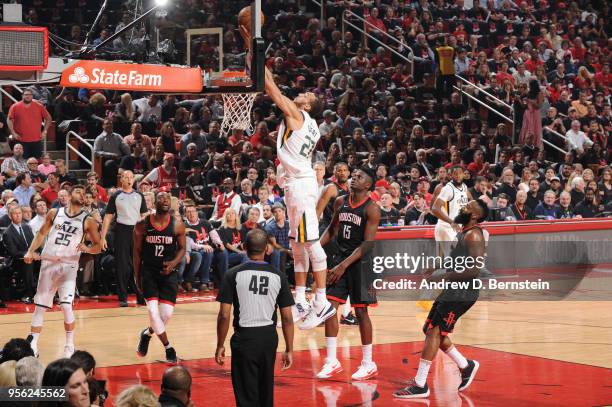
(244, 18)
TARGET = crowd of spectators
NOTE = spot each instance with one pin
(547, 65)
(20, 368)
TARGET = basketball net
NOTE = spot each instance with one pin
(237, 111)
(237, 107)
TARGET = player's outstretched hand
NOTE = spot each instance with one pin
(286, 360)
(220, 355)
(334, 274)
(168, 267)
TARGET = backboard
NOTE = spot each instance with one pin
(220, 52)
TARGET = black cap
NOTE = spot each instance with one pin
(196, 164)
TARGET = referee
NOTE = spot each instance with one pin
(255, 289)
(129, 206)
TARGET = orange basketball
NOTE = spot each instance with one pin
(244, 18)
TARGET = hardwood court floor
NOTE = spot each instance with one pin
(531, 353)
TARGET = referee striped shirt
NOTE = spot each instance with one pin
(128, 206)
(255, 289)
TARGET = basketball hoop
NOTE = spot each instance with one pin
(237, 111)
(236, 105)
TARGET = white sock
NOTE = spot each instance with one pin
(346, 308)
(35, 336)
(168, 346)
(330, 344)
(367, 353)
(421, 376)
(300, 293)
(69, 338)
(320, 296)
(457, 357)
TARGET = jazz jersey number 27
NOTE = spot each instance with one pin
(310, 142)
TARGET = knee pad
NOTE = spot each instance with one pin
(68, 314)
(300, 257)
(317, 256)
(38, 316)
(165, 312)
(154, 318)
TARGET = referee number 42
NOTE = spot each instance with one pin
(259, 285)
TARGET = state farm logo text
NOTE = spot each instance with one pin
(117, 78)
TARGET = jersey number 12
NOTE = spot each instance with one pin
(159, 251)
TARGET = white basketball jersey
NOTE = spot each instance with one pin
(65, 235)
(455, 198)
(295, 147)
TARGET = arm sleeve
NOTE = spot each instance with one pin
(285, 298)
(111, 208)
(226, 292)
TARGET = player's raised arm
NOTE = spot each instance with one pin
(40, 236)
(293, 117)
(332, 230)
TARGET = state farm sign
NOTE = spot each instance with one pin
(148, 78)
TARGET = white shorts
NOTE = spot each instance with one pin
(60, 277)
(301, 196)
(445, 236)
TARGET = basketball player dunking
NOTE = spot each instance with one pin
(297, 138)
(451, 304)
(353, 226)
(159, 247)
(67, 228)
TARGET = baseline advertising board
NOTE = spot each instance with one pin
(138, 77)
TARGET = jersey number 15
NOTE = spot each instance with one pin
(346, 232)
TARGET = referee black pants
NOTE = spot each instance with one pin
(123, 240)
(253, 357)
